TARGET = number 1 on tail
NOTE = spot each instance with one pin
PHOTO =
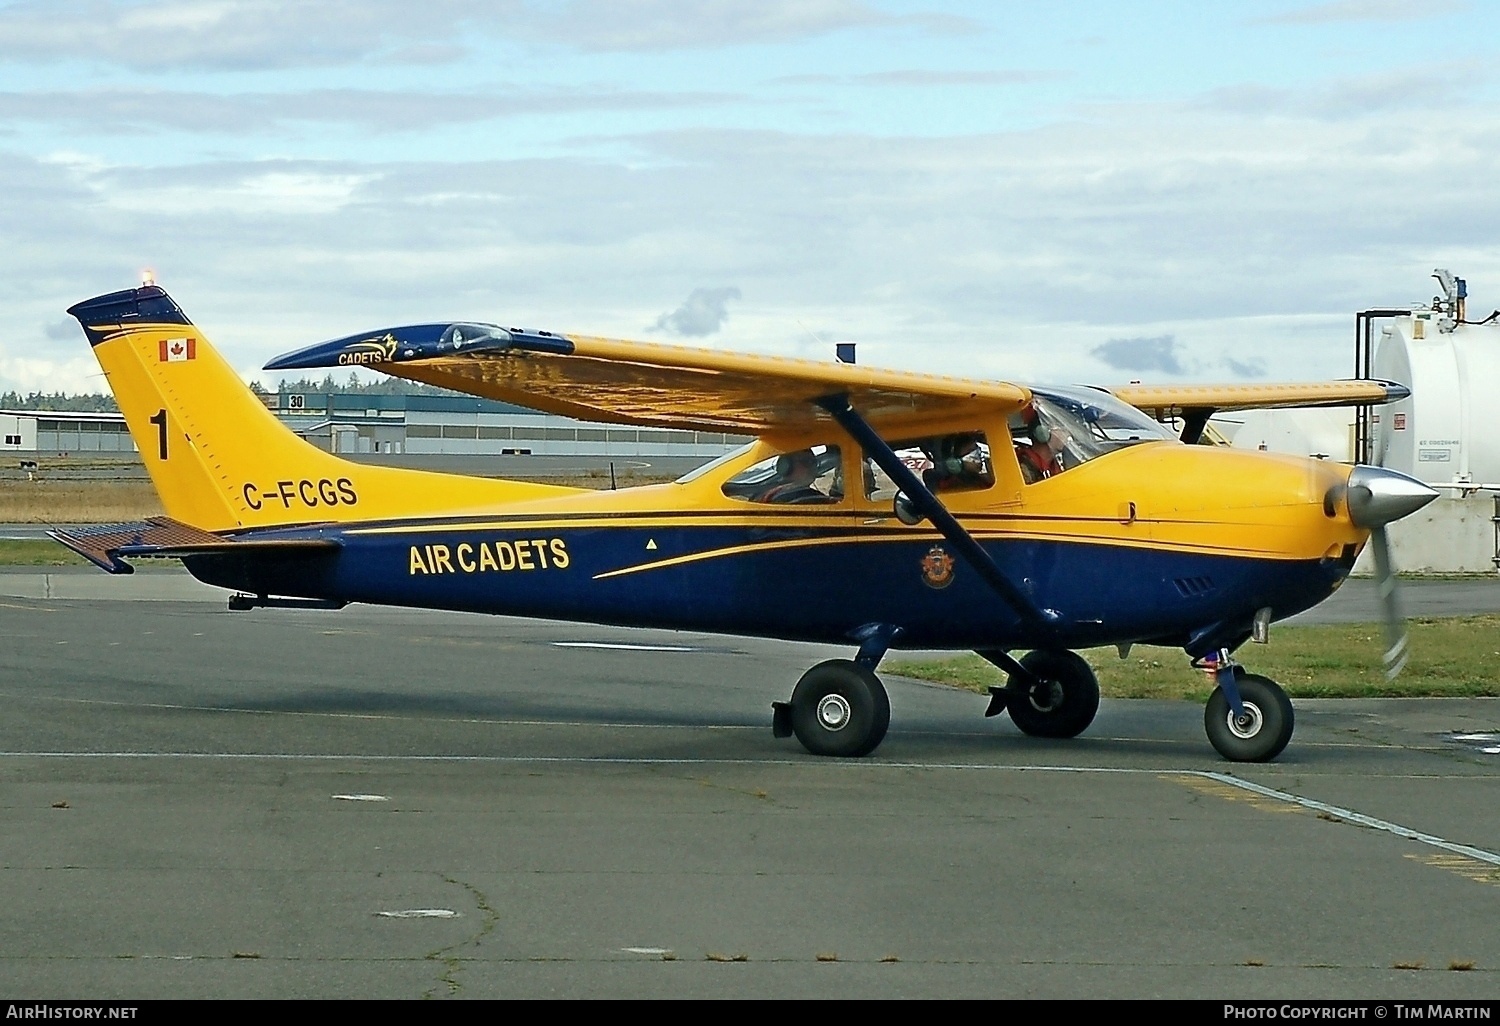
(160, 420)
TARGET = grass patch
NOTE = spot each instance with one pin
(41, 552)
(595, 479)
(1451, 658)
(76, 502)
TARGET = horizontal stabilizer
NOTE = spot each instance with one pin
(165, 538)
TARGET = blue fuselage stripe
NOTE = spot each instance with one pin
(798, 583)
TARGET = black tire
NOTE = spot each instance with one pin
(1267, 726)
(840, 708)
(1063, 699)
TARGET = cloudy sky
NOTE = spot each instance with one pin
(1070, 191)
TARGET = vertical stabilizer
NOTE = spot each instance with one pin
(219, 458)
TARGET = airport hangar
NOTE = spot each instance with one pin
(388, 425)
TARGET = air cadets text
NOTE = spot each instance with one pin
(486, 557)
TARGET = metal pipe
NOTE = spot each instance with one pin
(1364, 359)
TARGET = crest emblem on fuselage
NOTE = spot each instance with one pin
(937, 568)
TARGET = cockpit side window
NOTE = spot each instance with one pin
(810, 476)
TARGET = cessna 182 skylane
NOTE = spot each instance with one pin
(876, 508)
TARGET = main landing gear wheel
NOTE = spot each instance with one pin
(1063, 699)
(1262, 732)
(840, 708)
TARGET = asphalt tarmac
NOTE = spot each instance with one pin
(383, 804)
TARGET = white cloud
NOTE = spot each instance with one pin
(691, 24)
(66, 329)
(1158, 353)
(1245, 236)
(703, 313)
(271, 193)
(1338, 11)
(201, 16)
(1445, 85)
(924, 77)
(38, 374)
(156, 35)
(128, 111)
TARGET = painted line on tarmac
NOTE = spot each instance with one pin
(499, 721)
(1354, 817)
(622, 647)
(1489, 744)
(1432, 840)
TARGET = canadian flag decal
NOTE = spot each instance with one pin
(175, 349)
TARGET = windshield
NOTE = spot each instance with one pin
(715, 464)
(1090, 422)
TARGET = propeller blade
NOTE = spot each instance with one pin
(1375, 497)
(1396, 650)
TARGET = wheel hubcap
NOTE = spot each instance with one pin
(834, 712)
(1246, 726)
(1046, 696)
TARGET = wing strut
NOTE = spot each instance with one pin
(932, 508)
(1194, 420)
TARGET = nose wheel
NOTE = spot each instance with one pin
(1260, 729)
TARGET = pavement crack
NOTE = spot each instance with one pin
(447, 956)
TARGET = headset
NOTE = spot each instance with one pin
(952, 464)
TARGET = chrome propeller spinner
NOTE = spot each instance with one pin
(1376, 497)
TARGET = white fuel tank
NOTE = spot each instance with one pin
(1442, 433)
(1323, 433)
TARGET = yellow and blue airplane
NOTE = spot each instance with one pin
(876, 508)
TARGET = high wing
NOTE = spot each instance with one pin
(1196, 403)
(623, 382)
(1176, 400)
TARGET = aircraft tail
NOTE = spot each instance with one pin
(220, 459)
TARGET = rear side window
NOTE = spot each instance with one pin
(957, 462)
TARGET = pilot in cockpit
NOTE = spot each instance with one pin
(796, 473)
(1039, 446)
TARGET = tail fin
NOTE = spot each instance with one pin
(220, 459)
